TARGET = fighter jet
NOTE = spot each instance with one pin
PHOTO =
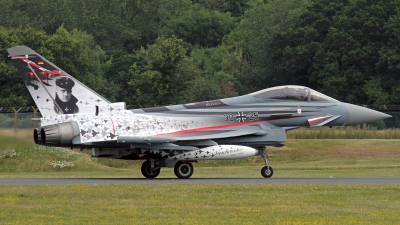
(177, 136)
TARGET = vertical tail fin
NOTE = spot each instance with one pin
(53, 90)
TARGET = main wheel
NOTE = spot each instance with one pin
(148, 172)
(267, 172)
(183, 170)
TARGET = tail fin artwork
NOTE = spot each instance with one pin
(53, 90)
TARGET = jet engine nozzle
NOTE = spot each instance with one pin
(59, 134)
(37, 137)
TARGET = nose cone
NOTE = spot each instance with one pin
(358, 115)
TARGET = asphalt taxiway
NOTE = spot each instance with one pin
(108, 181)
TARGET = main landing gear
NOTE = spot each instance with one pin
(183, 170)
(267, 170)
(150, 169)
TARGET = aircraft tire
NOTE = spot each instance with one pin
(183, 170)
(146, 170)
(267, 173)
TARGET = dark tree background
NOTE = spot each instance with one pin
(161, 52)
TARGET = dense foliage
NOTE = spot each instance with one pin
(163, 52)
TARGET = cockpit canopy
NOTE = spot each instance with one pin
(293, 93)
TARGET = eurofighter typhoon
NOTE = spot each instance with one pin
(174, 136)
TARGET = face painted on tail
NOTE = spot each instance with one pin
(64, 88)
(53, 90)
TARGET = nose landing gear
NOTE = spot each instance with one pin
(267, 170)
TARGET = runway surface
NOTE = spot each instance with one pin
(103, 181)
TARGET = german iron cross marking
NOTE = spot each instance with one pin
(240, 117)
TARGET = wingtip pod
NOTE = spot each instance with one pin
(53, 90)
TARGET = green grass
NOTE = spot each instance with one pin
(352, 132)
(19, 157)
(200, 204)
(204, 204)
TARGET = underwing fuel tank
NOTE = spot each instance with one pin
(60, 134)
(217, 152)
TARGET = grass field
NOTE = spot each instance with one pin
(200, 204)
(353, 132)
(204, 204)
(19, 157)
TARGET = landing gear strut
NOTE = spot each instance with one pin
(183, 170)
(150, 169)
(266, 171)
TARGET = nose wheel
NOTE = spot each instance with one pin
(267, 170)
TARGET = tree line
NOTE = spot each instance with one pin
(161, 52)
